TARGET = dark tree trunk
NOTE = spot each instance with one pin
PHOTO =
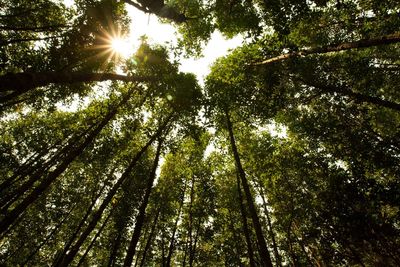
(22, 40)
(158, 8)
(114, 251)
(262, 245)
(15, 84)
(244, 224)
(364, 43)
(32, 164)
(271, 231)
(82, 222)
(142, 210)
(150, 238)
(97, 216)
(190, 230)
(44, 242)
(326, 88)
(172, 243)
(194, 246)
(48, 28)
(11, 216)
(94, 240)
(38, 170)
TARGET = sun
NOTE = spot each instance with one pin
(121, 47)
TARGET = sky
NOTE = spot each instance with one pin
(162, 33)
(159, 33)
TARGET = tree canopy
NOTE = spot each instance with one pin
(289, 155)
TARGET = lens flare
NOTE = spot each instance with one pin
(121, 47)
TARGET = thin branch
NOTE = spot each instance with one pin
(363, 43)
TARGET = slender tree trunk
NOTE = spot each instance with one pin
(32, 163)
(364, 43)
(236, 237)
(37, 171)
(150, 238)
(172, 243)
(326, 88)
(114, 251)
(11, 216)
(19, 83)
(142, 210)
(190, 230)
(160, 9)
(271, 231)
(244, 224)
(44, 242)
(22, 40)
(48, 28)
(94, 240)
(193, 250)
(262, 245)
(82, 222)
(97, 216)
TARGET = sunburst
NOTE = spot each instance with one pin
(115, 46)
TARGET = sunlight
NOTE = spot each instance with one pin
(116, 46)
(122, 47)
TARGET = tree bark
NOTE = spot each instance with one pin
(150, 238)
(11, 216)
(172, 243)
(142, 210)
(244, 224)
(97, 216)
(363, 43)
(44, 242)
(94, 240)
(271, 232)
(262, 245)
(39, 169)
(114, 251)
(326, 88)
(159, 8)
(46, 28)
(22, 40)
(19, 83)
(82, 222)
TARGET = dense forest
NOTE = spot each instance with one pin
(289, 155)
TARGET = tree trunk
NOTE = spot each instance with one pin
(188, 245)
(271, 232)
(97, 216)
(44, 242)
(46, 28)
(172, 243)
(326, 88)
(364, 43)
(158, 8)
(22, 40)
(94, 240)
(19, 83)
(236, 237)
(262, 245)
(194, 246)
(11, 216)
(82, 222)
(38, 170)
(142, 210)
(150, 238)
(190, 230)
(114, 251)
(244, 224)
